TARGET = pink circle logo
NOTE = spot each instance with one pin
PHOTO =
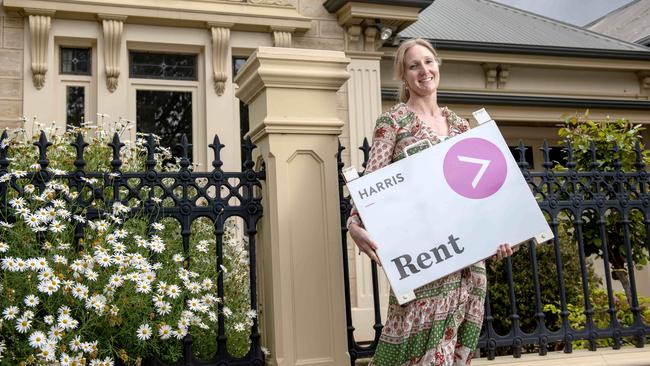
(475, 168)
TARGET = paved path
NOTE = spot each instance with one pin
(601, 357)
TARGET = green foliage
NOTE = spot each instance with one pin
(601, 315)
(524, 285)
(582, 132)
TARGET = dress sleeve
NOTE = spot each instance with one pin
(383, 143)
(381, 153)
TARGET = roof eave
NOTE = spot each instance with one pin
(538, 50)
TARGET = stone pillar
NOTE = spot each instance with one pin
(292, 101)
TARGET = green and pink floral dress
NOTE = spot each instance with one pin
(442, 326)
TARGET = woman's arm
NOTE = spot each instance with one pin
(381, 154)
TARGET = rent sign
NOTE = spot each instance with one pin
(447, 207)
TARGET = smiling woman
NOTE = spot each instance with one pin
(442, 325)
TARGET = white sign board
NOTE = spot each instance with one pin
(447, 207)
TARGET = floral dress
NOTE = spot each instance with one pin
(442, 325)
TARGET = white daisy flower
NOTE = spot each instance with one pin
(31, 301)
(55, 333)
(19, 173)
(75, 343)
(10, 313)
(48, 353)
(80, 291)
(37, 339)
(144, 332)
(23, 324)
(33, 220)
(116, 280)
(56, 226)
(163, 308)
(79, 218)
(240, 327)
(193, 287)
(65, 359)
(48, 319)
(66, 322)
(17, 202)
(121, 233)
(227, 312)
(173, 291)
(165, 331)
(178, 258)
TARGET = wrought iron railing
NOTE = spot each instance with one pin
(216, 195)
(572, 200)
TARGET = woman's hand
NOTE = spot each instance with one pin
(505, 250)
(363, 240)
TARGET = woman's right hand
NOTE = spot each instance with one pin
(363, 240)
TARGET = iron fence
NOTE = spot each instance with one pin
(216, 195)
(594, 211)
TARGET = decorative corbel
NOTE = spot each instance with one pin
(39, 31)
(113, 27)
(370, 36)
(220, 44)
(353, 38)
(644, 81)
(490, 75)
(282, 36)
(503, 74)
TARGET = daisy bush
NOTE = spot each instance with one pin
(108, 284)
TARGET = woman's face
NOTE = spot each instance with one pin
(421, 73)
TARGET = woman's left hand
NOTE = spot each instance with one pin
(505, 250)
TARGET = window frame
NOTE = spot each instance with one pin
(197, 87)
(90, 59)
(64, 80)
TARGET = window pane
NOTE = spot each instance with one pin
(167, 114)
(163, 66)
(75, 61)
(237, 64)
(75, 105)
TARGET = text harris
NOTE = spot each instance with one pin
(380, 186)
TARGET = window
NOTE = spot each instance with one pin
(76, 92)
(165, 91)
(75, 105)
(165, 113)
(528, 155)
(167, 66)
(75, 61)
(244, 125)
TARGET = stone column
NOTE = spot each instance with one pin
(291, 95)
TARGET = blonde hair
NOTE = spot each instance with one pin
(403, 92)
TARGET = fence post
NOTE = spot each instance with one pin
(291, 95)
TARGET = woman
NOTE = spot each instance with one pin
(442, 326)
